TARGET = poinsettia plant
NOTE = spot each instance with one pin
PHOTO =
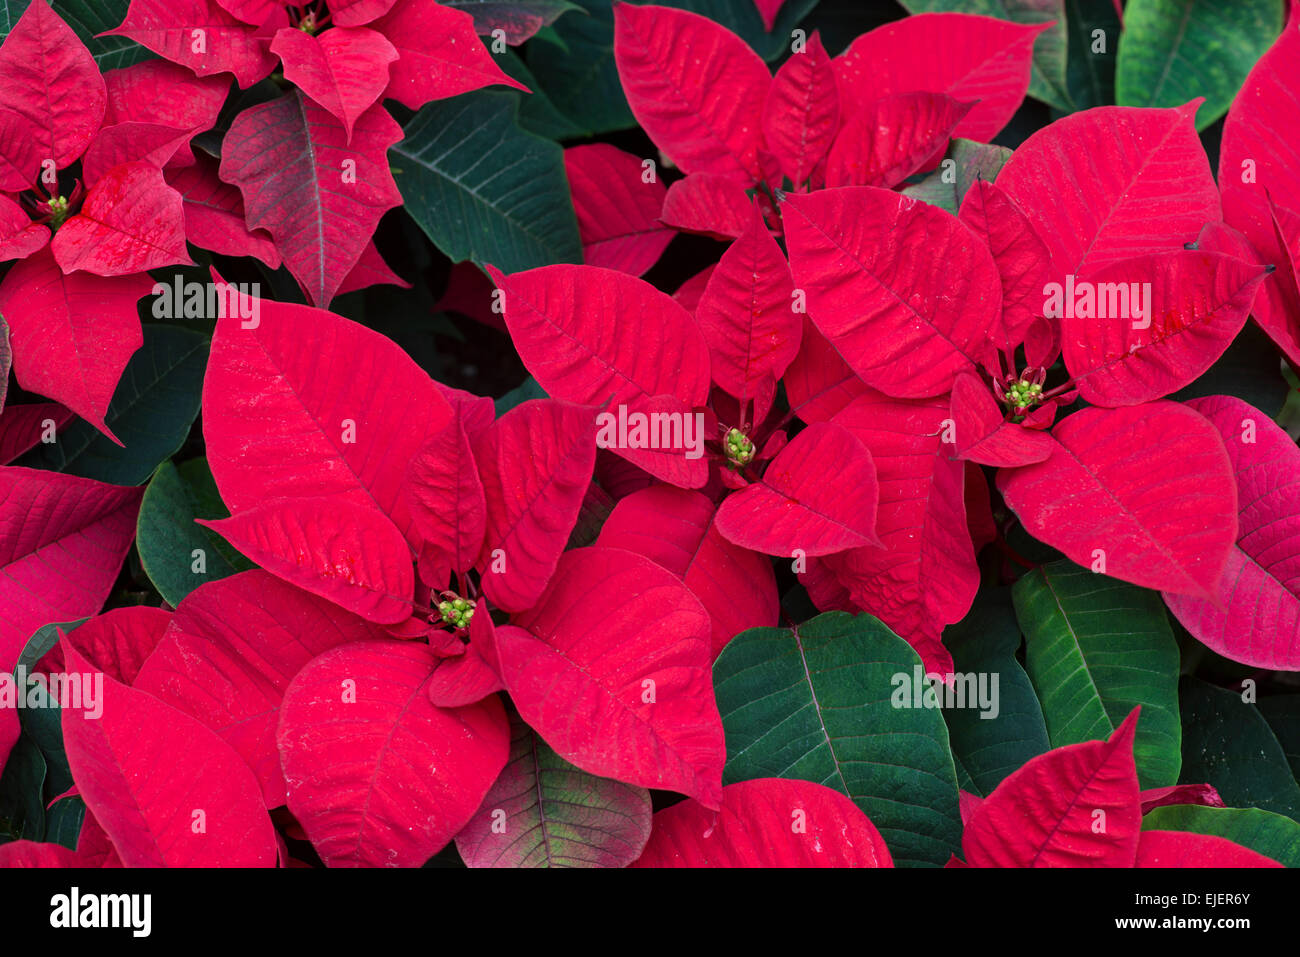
(896, 479)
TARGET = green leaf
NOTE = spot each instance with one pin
(1282, 712)
(537, 114)
(22, 804)
(168, 539)
(817, 702)
(43, 724)
(1227, 743)
(1267, 833)
(1173, 51)
(741, 17)
(985, 642)
(964, 163)
(1096, 648)
(1249, 369)
(152, 410)
(10, 12)
(489, 14)
(1047, 81)
(63, 822)
(528, 389)
(482, 189)
(41, 641)
(1090, 58)
(88, 18)
(579, 76)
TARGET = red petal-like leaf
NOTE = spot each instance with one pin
(319, 193)
(967, 57)
(707, 203)
(465, 679)
(1143, 493)
(168, 791)
(1186, 849)
(1202, 794)
(119, 641)
(903, 291)
(1123, 181)
(23, 426)
(165, 94)
(802, 113)
(696, 88)
(396, 777)
(233, 647)
(214, 214)
(674, 528)
(71, 335)
(351, 554)
(445, 497)
(1253, 613)
(982, 433)
(818, 384)
(613, 672)
(200, 35)
(767, 822)
(345, 70)
(768, 10)
(536, 462)
(1075, 806)
(131, 142)
(355, 13)
(439, 54)
(19, 236)
(131, 221)
(370, 270)
(618, 210)
(36, 853)
(342, 418)
(887, 140)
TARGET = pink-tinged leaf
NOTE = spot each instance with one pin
(319, 193)
(370, 270)
(662, 436)
(1023, 261)
(396, 777)
(54, 92)
(768, 10)
(903, 290)
(674, 528)
(925, 577)
(1252, 614)
(544, 812)
(119, 641)
(94, 848)
(618, 211)
(519, 20)
(477, 412)
(967, 57)
(22, 426)
(802, 113)
(341, 419)
(1123, 181)
(1186, 849)
(19, 236)
(535, 462)
(165, 94)
(1150, 486)
(351, 554)
(979, 508)
(131, 142)
(439, 54)
(612, 670)
(131, 221)
(252, 12)
(794, 509)
(887, 140)
(695, 87)
(71, 335)
(753, 829)
(818, 383)
(356, 13)
(747, 313)
(465, 679)
(1042, 342)
(1193, 305)
(232, 649)
(1204, 795)
(214, 214)
(344, 70)
(1045, 813)
(146, 770)
(200, 35)
(36, 853)
(689, 293)
(445, 497)
(982, 434)
(708, 204)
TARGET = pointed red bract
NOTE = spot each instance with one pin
(345, 70)
(903, 290)
(319, 193)
(465, 679)
(1144, 494)
(1252, 614)
(168, 791)
(232, 649)
(887, 140)
(818, 383)
(768, 10)
(1187, 849)
(71, 335)
(200, 35)
(438, 54)
(767, 822)
(802, 113)
(131, 142)
(695, 87)
(982, 433)
(1201, 794)
(618, 210)
(675, 529)
(349, 553)
(1046, 813)
(355, 13)
(967, 57)
(445, 497)
(214, 214)
(707, 203)
(370, 270)
(396, 777)
(119, 641)
(535, 462)
(19, 236)
(612, 670)
(22, 426)
(37, 854)
(165, 94)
